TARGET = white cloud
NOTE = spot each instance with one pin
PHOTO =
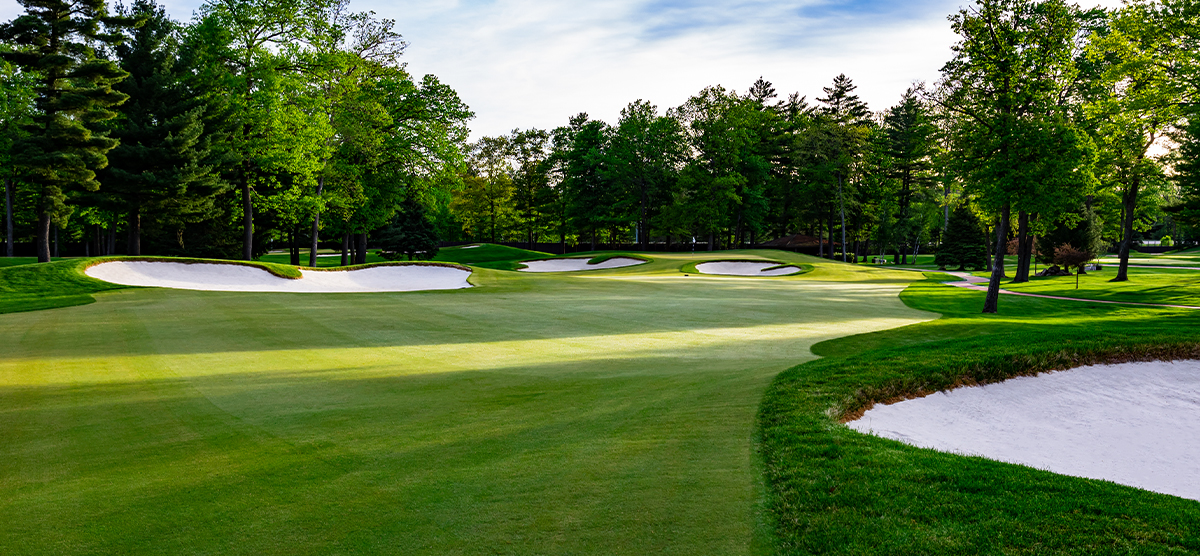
(534, 63)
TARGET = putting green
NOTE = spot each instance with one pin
(603, 413)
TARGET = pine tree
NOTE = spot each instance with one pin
(63, 149)
(163, 144)
(411, 234)
(964, 243)
(841, 104)
(1082, 232)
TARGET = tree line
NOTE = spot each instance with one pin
(292, 121)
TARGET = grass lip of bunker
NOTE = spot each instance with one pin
(220, 276)
(575, 264)
(747, 268)
(1129, 423)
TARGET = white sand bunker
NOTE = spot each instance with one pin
(1136, 424)
(745, 268)
(577, 263)
(241, 278)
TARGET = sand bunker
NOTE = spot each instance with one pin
(241, 278)
(577, 263)
(745, 268)
(1136, 424)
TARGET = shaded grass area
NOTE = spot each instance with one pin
(1145, 285)
(607, 412)
(835, 491)
(15, 261)
(33, 287)
(325, 258)
(488, 255)
(62, 283)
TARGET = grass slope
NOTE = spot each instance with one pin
(834, 491)
(608, 412)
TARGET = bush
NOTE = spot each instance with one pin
(1167, 241)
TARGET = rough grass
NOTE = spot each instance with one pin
(835, 491)
(608, 412)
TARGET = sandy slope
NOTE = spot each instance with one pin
(240, 278)
(577, 263)
(743, 268)
(1135, 423)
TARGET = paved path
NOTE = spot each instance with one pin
(976, 283)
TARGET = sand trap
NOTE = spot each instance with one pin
(1136, 424)
(577, 263)
(240, 278)
(744, 268)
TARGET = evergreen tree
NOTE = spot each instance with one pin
(841, 104)
(16, 105)
(163, 145)
(62, 148)
(411, 234)
(908, 148)
(1082, 231)
(964, 243)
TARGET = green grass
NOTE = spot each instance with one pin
(15, 261)
(322, 261)
(835, 491)
(607, 412)
(34, 287)
(62, 283)
(488, 255)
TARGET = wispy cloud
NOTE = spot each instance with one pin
(534, 63)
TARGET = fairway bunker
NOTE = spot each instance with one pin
(245, 278)
(746, 268)
(1136, 424)
(574, 264)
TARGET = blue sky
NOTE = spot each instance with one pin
(534, 63)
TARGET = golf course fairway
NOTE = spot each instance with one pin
(607, 412)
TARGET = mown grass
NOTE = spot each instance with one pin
(34, 287)
(62, 283)
(603, 412)
(488, 255)
(835, 491)
(15, 261)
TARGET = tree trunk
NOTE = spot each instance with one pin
(294, 247)
(55, 241)
(8, 218)
(135, 231)
(820, 239)
(43, 237)
(361, 254)
(712, 238)
(1024, 247)
(993, 292)
(112, 239)
(643, 229)
(593, 239)
(842, 209)
(316, 226)
(1130, 209)
(829, 228)
(247, 224)
(345, 248)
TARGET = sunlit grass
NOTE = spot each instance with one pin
(606, 412)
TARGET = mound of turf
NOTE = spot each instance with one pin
(835, 491)
(33, 287)
(488, 255)
(16, 261)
